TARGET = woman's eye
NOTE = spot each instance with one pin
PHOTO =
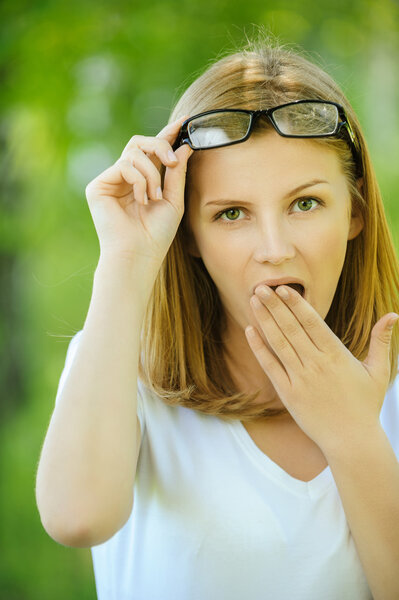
(225, 212)
(306, 200)
(304, 205)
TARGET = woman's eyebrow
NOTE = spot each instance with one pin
(223, 201)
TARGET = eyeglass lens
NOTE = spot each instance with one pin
(303, 119)
(310, 118)
(218, 128)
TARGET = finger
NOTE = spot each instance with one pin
(136, 179)
(286, 320)
(158, 146)
(175, 179)
(314, 325)
(152, 146)
(170, 131)
(117, 181)
(265, 358)
(142, 163)
(275, 337)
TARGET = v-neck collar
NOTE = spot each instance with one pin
(313, 488)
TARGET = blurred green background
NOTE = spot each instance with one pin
(78, 79)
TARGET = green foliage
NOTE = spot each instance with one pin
(79, 79)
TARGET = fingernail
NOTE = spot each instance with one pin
(392, 322)
(159, 193)
(283, 292)
(172, 156)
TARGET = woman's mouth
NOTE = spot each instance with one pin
(296, 286)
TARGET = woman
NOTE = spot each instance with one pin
(264, 458)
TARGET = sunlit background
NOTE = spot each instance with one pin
(78, 80)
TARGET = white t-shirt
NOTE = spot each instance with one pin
(214, 518)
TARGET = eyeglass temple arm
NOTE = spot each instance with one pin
(354, 145)
(182, 138)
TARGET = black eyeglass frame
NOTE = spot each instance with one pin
(343, 127)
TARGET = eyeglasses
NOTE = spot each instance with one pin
(299, 119)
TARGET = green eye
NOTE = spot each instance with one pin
(229, 210)
(305, 200)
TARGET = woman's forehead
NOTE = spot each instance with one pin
(263, 159)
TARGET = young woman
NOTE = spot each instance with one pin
(218, 434)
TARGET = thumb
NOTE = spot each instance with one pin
(175, 178)
(381, 334)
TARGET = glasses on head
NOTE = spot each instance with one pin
(299, 119)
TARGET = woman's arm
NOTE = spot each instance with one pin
(366, 473)
(84, 484)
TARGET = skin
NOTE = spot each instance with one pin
(277, 236)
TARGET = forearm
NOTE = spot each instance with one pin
(86, 468)
(366, 473)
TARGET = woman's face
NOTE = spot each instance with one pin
(269, 230)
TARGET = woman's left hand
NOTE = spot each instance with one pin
(332, 396)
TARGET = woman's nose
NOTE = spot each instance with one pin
(273, 244)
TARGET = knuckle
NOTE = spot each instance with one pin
(165, 145)
(132, 143)
(291, 329)
(136, 138)
(124, 163)
(295, 300)
(130, 154)
(134, 151)
(90, 193)
(281, 345)
(310, 321)
(274, 302)
(140, 178)
(90, 186)
(123, 160)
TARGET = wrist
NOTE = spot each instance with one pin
(124, 265)
(353, 444)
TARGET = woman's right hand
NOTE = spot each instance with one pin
(125, 225)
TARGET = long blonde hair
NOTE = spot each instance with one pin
(182, 357)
